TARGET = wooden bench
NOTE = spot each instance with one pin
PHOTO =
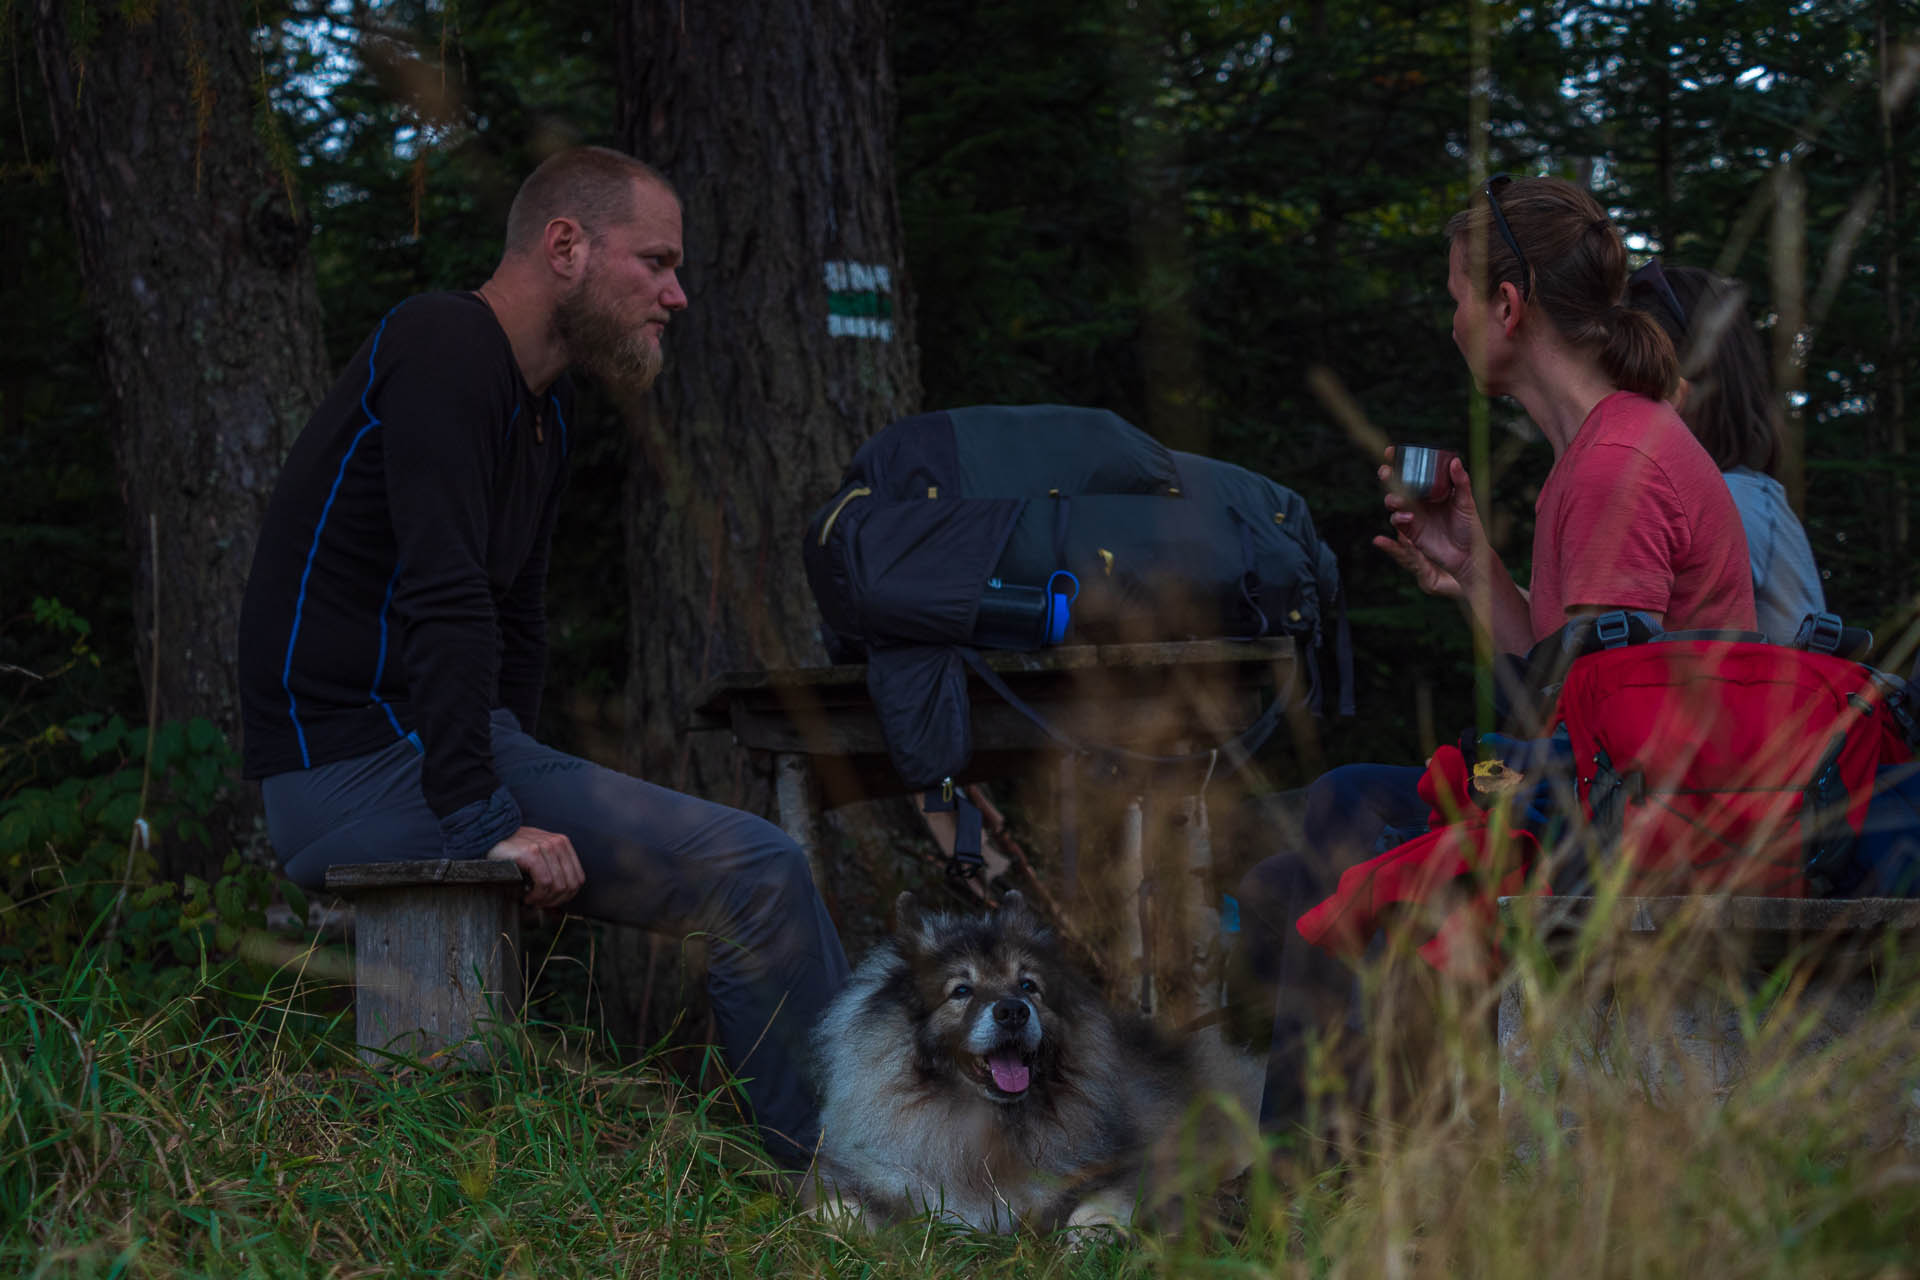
(1666, 990)
(436, 956)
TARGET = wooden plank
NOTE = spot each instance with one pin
(1729, 913)
(1139, 723)
(848, 681)
(435, 871)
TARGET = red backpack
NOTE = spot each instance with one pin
(1728, 765)
(1450, 876)
(1708, 764)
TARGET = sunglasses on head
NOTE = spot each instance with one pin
(1494, 184)
(1654, 278)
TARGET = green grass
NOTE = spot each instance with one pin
(226, 1132)
(188, 1139)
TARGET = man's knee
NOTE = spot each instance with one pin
(765, 868)
(1332, 797)
(1274, 889)
(789, 861)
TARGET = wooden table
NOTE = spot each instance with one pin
(819, 725)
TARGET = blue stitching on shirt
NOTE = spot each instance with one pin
(300, 602)
(380, 666)
(511, 419)
(562, 420)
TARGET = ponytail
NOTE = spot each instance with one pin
(1636, 353)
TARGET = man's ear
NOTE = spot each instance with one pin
(563, 243)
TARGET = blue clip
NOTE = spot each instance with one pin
(1611, 629)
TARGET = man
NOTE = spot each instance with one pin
(393, 638)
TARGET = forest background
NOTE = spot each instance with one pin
(1177, 210)
(1172, 209)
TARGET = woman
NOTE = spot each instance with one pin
(1726, 399)
(1634, 515)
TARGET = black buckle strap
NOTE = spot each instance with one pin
(1828, 841)
(1819, 633)
(967, 859)
(1610, 793)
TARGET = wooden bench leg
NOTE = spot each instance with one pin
(798, 795)
(1133, 973)
(1203, 911)
(436, 956)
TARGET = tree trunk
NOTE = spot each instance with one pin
(775, 120)
(1660, 58)
(195, 264)
(1892, 400)
(1787, 250)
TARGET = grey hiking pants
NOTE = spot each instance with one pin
(653, 858)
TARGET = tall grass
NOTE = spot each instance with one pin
(231, 1131)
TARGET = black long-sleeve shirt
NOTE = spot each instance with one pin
(398, 588)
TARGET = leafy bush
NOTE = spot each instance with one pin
(77, 867)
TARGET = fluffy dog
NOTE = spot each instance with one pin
(969, 1073)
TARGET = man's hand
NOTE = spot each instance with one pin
(548, 857)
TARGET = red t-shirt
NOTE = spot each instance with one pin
(1636, 516)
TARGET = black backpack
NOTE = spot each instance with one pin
(948, 525)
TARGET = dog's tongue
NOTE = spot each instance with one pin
(1009, 1073)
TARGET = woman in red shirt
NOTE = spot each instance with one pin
(1633, 516)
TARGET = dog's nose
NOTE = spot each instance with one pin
(1010, 1013)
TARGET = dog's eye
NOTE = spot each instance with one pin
(1029, 986)
(960, 991)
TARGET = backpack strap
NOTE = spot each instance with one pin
(1831, 869)
(1343, 654)
(1824, 633)
(1061, 503)
(1250, 578)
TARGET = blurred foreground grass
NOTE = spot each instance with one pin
(225, 1132)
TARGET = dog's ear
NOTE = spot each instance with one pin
(906, 914)
(1014, 908)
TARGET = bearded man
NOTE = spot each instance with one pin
(393, 638)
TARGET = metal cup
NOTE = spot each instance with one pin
(1423, 473)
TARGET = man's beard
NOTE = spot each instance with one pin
(623, 358)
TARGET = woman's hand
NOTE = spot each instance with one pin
(1434, 541)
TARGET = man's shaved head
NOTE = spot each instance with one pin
(592, 185)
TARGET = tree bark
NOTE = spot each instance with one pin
(1893, 393)
(775, 119)
(1787, 250)
(194, 258)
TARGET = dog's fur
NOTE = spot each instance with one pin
(968, 1072)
